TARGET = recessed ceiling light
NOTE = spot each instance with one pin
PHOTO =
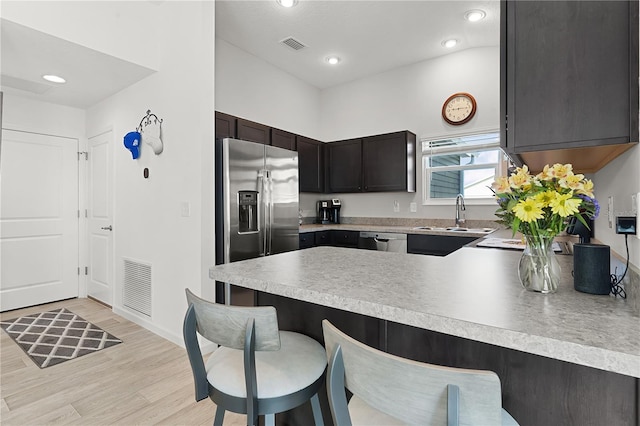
(475, 15)
(450, 43)
(287, 3)
(54, 78)
(333, 60)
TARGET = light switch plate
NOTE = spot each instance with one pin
(413, 207)
(185, 209)
(396, 206)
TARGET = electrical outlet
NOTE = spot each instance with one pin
(413, 207)
(396, 206)
(637, 207)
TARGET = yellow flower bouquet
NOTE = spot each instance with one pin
(544, 203)
(540, 207)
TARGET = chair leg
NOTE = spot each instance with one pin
(317, 412)
(219, 417)
(269, 420)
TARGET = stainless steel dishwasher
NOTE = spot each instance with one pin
(383, 241)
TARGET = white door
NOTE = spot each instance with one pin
(100, 224)
(38, 219)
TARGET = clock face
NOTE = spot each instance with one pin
(459, 108)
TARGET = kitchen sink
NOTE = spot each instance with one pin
(455, 229)
(461, 229)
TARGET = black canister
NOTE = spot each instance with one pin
(592, 268)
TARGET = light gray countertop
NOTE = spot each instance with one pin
(473, 293)
(399, 229)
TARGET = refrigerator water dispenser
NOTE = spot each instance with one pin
(247, 212)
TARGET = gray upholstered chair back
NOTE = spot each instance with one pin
(414, 392)
(226, 325)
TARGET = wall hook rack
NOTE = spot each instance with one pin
(147, 120)
(150, 129)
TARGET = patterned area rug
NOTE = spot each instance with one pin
(53, 337)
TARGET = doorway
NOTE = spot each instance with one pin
(39, 219)
(100, 219)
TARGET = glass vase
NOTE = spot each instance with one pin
(539, 269)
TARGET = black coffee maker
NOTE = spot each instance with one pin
(328, 211)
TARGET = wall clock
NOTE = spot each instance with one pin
(459, 108)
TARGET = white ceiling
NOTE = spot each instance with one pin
(370, 37)
(27, 54)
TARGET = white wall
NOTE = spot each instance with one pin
(41, 117)
(411, 98)
(33, 116)
(176, 38)
(253, 89)
(148, 225)
(120, 29)
(407, 98)
(620, 179)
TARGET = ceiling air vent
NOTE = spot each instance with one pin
(293, 43)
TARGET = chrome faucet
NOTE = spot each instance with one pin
(460, 208)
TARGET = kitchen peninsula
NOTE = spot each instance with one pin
(563, 358)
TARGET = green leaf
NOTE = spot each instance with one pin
(515, 225)
(581, 219)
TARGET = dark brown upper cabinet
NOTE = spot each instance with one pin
(373, 164)
(310, 164)
(389, 162)
(253, 132)
(283, 139)
(225, 125)
(344, 166)
(569, 81)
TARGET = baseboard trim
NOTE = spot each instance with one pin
(143, 322)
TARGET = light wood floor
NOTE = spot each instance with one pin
(144, 380)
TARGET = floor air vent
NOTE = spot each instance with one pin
(137, 286)
(293, 43)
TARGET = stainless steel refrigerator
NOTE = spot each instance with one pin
(256, 206)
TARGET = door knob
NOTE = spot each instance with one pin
(107, 228)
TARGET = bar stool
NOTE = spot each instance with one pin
(390, 390)
(257, 369)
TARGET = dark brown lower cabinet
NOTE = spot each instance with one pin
(307, 240)
(436, 245)
(536, 391)
(323, 238)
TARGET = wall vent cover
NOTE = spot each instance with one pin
(293, 43)
(137, 286)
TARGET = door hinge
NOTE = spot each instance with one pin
(86, 213)
(78, 213)
(86, 270)
(85, 153)
(78, 270)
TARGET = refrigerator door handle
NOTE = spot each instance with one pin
(270, 208)
(262, 202)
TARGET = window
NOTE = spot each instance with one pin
(464, 165)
